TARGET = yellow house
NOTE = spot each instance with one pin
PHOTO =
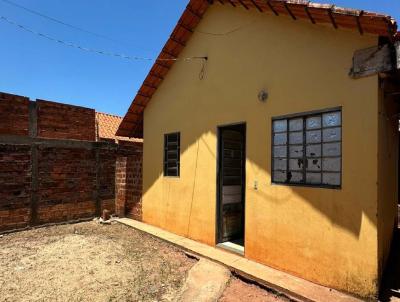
(268, 131)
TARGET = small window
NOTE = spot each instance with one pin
(307, 149)
(172, 143)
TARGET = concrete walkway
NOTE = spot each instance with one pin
(293, 287)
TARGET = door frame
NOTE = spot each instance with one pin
(218, 217)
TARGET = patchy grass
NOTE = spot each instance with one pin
(89, 262)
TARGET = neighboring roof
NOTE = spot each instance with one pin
(107, 125)
(362, 21)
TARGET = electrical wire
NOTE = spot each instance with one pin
(60, 22)
(202, 73)
(91, 50)
(219, 34)
(227, 33)
(193, 189)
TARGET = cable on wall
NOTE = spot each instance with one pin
(193, 189)
(227, 33)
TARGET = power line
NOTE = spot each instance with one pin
(59, 21)
(91, 50)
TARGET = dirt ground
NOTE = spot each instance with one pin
(89, 262)
(239, 291)
(93, 262)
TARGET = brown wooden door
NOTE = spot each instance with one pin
(231, 183)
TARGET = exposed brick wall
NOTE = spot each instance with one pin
(63, 121)
(107, 158)
(128, 199)
(48, 181)
(14, 114)
(120, 185)
(15, 186)
(66, 184)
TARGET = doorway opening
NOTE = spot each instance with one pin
(231, 187)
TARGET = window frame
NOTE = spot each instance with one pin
(304, 116)
(178, 160)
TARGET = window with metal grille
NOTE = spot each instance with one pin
(172, 144)
(307, 149)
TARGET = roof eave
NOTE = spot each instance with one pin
(363, 21)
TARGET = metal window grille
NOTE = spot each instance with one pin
(307, 149)
(172, 144)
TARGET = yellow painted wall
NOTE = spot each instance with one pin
(388, 138)
(324, 235)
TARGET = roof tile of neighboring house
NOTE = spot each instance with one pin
(362, 21)
(107, 126)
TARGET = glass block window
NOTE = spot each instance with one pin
(307, 149)
(172, 144)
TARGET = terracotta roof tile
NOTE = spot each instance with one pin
(338, 17)
(107, 125)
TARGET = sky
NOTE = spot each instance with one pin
(38, 68)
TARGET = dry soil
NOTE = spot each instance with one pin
(89, 262)
(239, 291)
(93, 262)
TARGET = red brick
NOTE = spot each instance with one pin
(14, 114)
(66, 176)
(128, 199)
(62, 121)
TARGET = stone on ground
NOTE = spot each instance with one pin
(206, 282)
